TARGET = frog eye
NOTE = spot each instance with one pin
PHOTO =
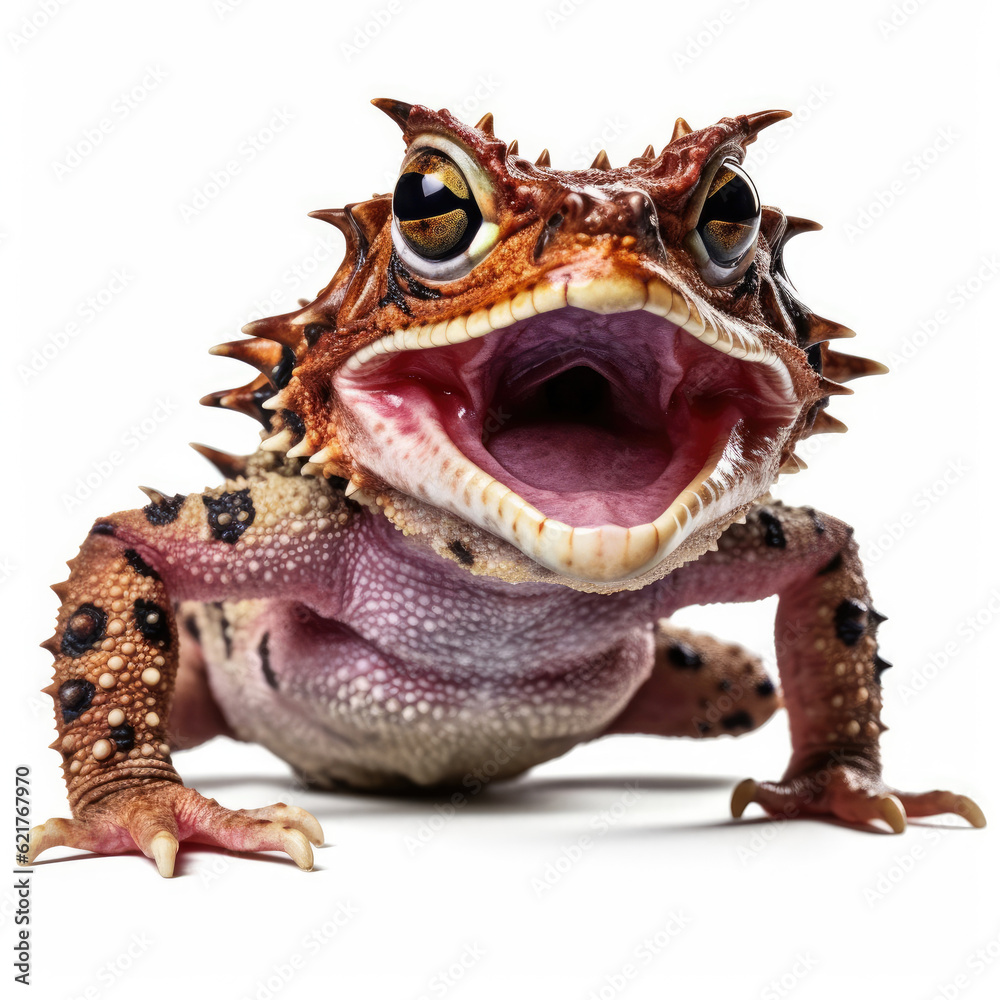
(439, 226)
(725, 236)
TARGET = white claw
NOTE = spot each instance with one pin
(163, 850)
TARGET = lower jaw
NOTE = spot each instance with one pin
(729, 476)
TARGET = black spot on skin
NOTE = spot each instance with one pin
(682, 656)
(725, 685)
(164, 512)
(338, 483)
(192, 628)
(880, 667)
(74, 698)
(140, 565)
(282, 371)
(103, 528)
(265, 662)
(224, 628)
(833, 565)
(124, 736)
(462, 554)
(765, 688)
(774, 535)
(313, 332)
(817, 522)
(703, 727)
(850, 621)
(230, 514)
(84, 628)
(738, 720)
(294, 423)
(151, 620)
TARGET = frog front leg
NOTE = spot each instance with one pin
(829, 665)
(116, 655)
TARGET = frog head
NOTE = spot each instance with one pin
(571, 376)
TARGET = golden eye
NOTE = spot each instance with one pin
(725, 236)
(436, 212)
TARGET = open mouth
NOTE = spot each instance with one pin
(593, 440)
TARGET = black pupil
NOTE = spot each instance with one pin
(728, 221)
(425, 197)
(421, 196)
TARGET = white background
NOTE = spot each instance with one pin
(760, 910)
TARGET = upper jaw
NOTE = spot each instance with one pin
(422, 420)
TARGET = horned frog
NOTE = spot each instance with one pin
(533, 413)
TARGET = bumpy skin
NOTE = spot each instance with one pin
(287, 609)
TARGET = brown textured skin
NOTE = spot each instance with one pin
(127, 794)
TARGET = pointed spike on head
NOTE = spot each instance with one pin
(844, 367)
(275, 328)
(648, 153)
(795, 226)
(681, 129)
(398, 111)
(512, 148)
(826, 423)
(760, 121)
(231, 466)
(828, 388)
(601, 162)
(335, 216)
(155, 496)
(485, 124)
(821, 329)
(544, 160)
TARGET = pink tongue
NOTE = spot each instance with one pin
(571, 457)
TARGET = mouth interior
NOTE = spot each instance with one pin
(594, 419)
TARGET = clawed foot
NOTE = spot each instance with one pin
(850, 791)
(156, 819)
